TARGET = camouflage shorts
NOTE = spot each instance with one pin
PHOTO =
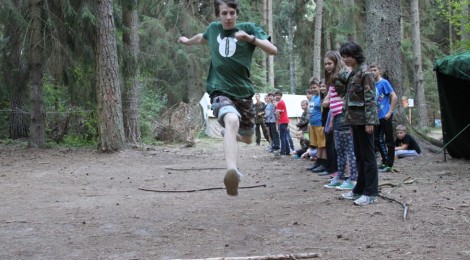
(243, 108)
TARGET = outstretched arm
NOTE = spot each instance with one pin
(393, 104)
(265, 45)
(196, 39)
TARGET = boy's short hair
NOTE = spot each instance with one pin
(304, 102)
(313, 81)
(230, 3)
(278, 92)
(401, 128)
(375, 65)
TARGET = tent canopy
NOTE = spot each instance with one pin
(453, 83)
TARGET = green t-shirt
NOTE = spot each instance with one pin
(229, 73)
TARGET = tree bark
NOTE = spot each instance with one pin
(317, 39)
(271, 33)
(465, 33)
(110, 122)
(131, 93)
(383, 41)
(264, 63)
(418, 67)
(290, 46)
(14, 73)
(38, 116)
(351, 26)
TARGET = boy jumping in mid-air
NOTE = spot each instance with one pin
(229, 85)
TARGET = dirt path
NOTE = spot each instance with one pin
(78, 204)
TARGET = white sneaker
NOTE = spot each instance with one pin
(365, 200)
(231, 181)
(350, 195)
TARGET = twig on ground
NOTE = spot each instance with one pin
(403, 204)
(205, 189)
(407, 180)
(266, 257)
(195, 169)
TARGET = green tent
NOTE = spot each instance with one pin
(453, 83)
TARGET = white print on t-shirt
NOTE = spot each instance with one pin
(227, 46)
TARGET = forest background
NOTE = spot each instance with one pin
(110, 73)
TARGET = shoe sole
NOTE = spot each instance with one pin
(363, 204)
(231, 181)
(350, 198)
(329, 187)
(343, 188)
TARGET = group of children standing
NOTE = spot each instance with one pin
(350, 116)
(347, 118)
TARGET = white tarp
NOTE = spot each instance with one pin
(293, 110)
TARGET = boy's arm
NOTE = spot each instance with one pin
(265, 45)
(326, 100)
(393, 105)
(403, 146)
(196, 39)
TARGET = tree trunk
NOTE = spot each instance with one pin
(290, 46)
(317, 39)
(465, 32)
(451, 40)
(270, 32)
(14, 74)
(38, 116)
(417, 66)
(328, 45)
(383, 41)
(131, 93)
(110, 123)
(351, 26)
(264, 63)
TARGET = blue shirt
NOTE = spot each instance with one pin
(269, 113)
(314, 107)
(383, 90)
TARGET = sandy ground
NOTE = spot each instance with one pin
(79, 204)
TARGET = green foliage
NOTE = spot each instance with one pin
(78, 141)
(453, 13)
(153, 102)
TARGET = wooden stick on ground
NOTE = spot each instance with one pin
(403, 204)
(195, 169)
(205, 189)
(266, 257)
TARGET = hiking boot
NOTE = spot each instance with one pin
(333, 184)
(365, 200)
(231, 181)
(346, 185)
(350, 196)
